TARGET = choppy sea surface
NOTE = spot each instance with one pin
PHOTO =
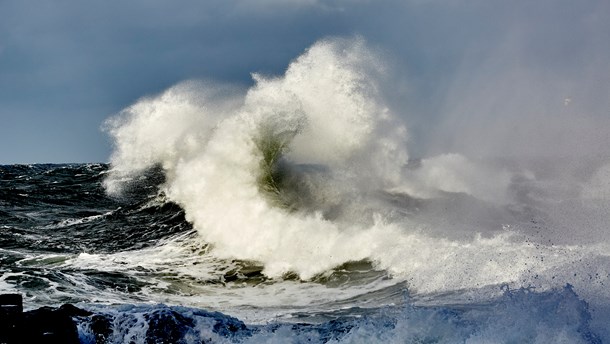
(291, 212)
(64, 240)
(136, 258)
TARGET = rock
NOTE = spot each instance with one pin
(43, 325)
(11, 309)
(51, 325)
(167, 326)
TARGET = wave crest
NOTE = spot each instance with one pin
(259, 173)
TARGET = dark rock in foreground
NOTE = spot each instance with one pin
(156, 324)
(43, 325)
(11, 309)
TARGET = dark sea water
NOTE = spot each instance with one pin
(135, 262)
(292, 212)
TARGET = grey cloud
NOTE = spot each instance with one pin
(67, 65)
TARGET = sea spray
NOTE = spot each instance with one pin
(325, 111)
(307, 171)
(162, 130)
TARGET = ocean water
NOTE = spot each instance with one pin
(291, 212)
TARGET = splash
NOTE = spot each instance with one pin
(232, 160)
(307, 171)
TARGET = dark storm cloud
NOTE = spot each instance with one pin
(67, 65)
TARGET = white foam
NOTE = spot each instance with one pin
(165, 129)
(325, 99)
(328, 110)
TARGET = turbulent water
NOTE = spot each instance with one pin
(292, 212)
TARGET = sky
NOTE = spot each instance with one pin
(482, 77)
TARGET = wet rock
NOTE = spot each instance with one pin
(11, 309)
(43, 325)
(167, 326)
(101, 327)
(51, 325)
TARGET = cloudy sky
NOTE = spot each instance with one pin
(475, 76)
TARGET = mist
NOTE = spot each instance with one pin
(539, 88)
